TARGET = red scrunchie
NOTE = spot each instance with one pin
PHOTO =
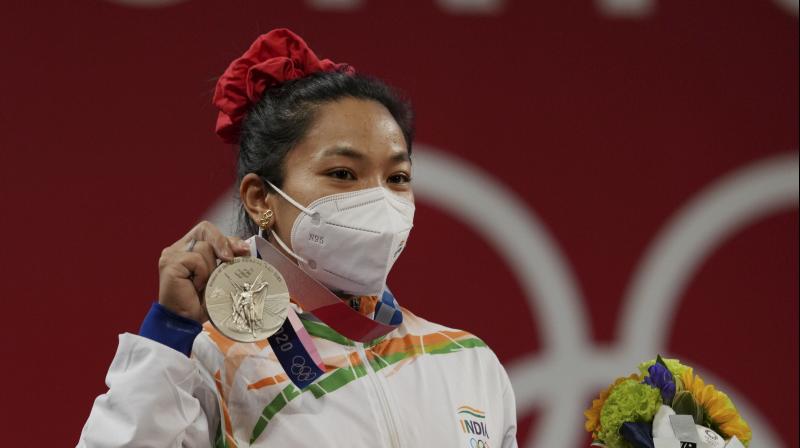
(275, 57)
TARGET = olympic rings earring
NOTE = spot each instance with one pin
(263, 223)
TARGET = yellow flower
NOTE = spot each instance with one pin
(718, 407)
(593, 414)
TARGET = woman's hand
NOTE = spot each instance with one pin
(183, 273)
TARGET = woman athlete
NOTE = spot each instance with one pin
(324, 174)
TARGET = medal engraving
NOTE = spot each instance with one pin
(247, 299)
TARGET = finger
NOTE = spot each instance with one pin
(205, 231)
(240, 248)
(206, 317)
(207, 252)
(194, 267)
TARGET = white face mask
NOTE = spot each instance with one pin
(349, 241)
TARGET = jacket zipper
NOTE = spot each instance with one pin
(388, 415)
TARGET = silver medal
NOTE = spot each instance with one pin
(247, 299)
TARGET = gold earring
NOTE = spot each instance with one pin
(265, 220)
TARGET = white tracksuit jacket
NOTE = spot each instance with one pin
(422, 385)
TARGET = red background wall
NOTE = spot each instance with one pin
(605, 127)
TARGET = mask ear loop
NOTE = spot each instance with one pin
(286, 248)
(292, 201)
(262, 232)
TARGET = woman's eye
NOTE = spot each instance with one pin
(342, 175)
(400, 178)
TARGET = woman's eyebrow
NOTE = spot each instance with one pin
(347, 151)
(344, 151)
(401, 156)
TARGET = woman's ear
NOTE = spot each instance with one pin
(255, 198)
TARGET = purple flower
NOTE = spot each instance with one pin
(661, 378)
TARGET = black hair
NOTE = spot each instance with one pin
(285, 113)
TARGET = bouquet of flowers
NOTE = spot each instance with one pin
(665, 405)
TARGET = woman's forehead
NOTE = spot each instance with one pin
(353, 128)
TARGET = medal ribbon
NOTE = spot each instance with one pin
(292, 344)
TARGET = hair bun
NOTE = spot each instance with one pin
(274, 58)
